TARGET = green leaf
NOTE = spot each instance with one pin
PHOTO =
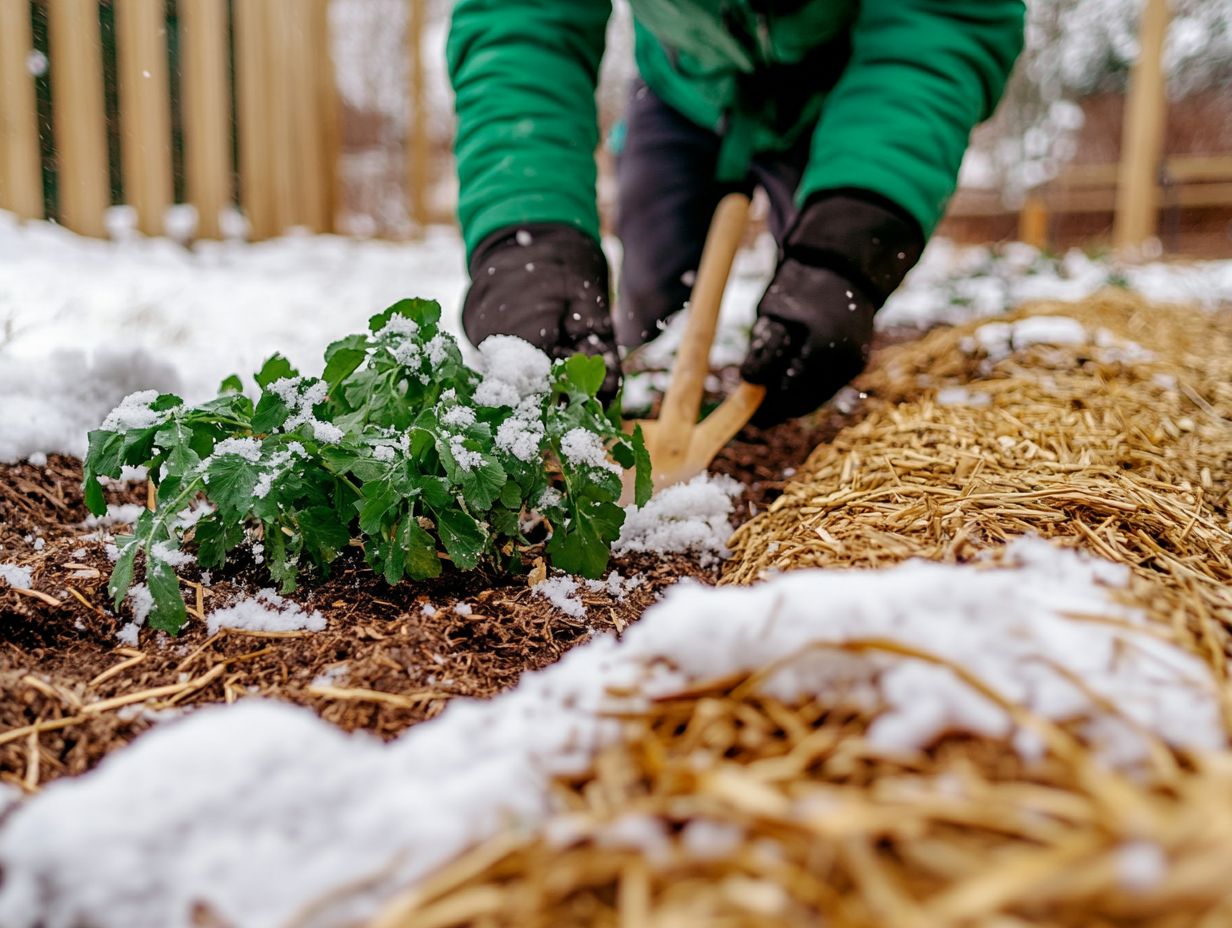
(176, 438)
(323, 535)
(584, 373)
(231, 481)
(167, 613)
(462, 536)
(215, 537)
(483, 483)
(511, 496)
(271, 412)
(232, 384)
(643, 487)
(422, 562)
(377, 498)
(584, 545)
(275, 368)
(122, 572)
(421, 312)
(279, 558)
(434, 490)
(102, 459)
(343, 358)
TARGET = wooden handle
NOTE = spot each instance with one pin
(683, 400)
(721, 426)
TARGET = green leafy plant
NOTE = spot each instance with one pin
(398, 447)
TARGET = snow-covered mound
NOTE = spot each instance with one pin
(148, 313)
(258, 809)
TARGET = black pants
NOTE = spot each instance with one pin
(667, 196)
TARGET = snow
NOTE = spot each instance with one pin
(521, 435)
(162, 551)
(513, 370)
(583, 448)
(116, 514)
(459, 417)
(688, 518)
(562, 592)
(152, 315)
(149, 314)
(141, 601)
(615, 585)
(133, 412)
(302, 395)
(265, 612)
(1141, 865)
(53, 400)
(954, 284)
(19, 578)
(258, 809)
(247, 448)
(956, 396)
(1001, 339)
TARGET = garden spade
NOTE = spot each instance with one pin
(680, 446)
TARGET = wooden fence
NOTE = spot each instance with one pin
(249, 117)
(256, 100)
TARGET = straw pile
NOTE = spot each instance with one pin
(1120, 444)
(724, 807)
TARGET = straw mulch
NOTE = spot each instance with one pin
(723, 807)
(1123, 450)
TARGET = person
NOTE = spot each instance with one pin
(852, 115)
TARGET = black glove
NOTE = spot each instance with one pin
(548, 284)
(844, 256)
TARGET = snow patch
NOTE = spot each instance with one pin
(258, 809)
(688, 518)
(1001, 339)
(513, 370)
(116, 514)
(562, 592)
(265, 612)
(583, 448)
(19, 578)
(52, 401)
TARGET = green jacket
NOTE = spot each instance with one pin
(889, 89)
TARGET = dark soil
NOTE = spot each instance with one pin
(70, 693)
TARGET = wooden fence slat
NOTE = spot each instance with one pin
(309, 189)
(252, 45)
(1033, 222)
(21, 175)
(327, 101)
(280, 153)
(145, 110)
(1142, 141)
(78, 115)
(206, 86)
(417, 146)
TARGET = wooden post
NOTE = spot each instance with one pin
(328, 116)
(79, 118)
(281, 154)
(21, 175)
(145, 110)
(252, 43)
(207, 111)
(1142, 139)
(417, 148)
(309, 187)
(1033, 222)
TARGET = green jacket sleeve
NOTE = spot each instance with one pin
(524, 75)
(923, 73)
